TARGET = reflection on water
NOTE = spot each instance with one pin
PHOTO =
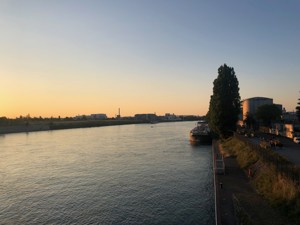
(132, 174)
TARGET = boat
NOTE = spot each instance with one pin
(201, 133)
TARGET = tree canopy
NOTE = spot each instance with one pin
(268, 113)
(298, 110)
(224, 106)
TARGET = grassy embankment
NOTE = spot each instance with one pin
(279, 190)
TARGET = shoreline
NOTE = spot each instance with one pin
(60, 125)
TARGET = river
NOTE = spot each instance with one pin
(129, 174)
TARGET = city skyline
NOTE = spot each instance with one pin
(66, 58)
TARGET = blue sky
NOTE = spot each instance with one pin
(81, 57)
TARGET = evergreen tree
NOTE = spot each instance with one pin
(298, 110)
(224, 107)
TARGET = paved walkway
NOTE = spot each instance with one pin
(235, 182)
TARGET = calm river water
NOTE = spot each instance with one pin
(130, 174)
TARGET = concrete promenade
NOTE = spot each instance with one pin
(235, 195)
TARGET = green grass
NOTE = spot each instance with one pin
(280, 191)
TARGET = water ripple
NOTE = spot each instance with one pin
(108, 175)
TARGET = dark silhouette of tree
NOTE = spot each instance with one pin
(224, 107)
(250, 121)
(298, 109)
(268, 113)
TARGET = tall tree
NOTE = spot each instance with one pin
(298, 110)
(268, 113)
(225, 103)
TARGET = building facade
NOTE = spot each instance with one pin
(98, 116)
(146, 117)
(250, 105)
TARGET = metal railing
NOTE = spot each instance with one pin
(270, 157)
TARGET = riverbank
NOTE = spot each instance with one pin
(57, 125)
(237, 201)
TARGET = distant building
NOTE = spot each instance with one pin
(99, 116)
(119, 114)
(172, 117)
(279, 106)
(290, 117)
(286, 130)
(250, 105)
(146, 117)
(79, 117)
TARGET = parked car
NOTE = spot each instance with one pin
(296, 140)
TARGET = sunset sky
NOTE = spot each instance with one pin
(69, 57)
